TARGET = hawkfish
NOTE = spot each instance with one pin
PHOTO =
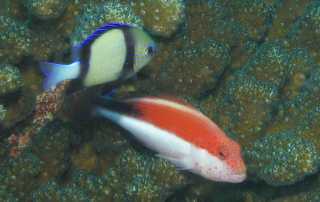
(179, 133)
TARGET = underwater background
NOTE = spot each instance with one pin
(252, 66)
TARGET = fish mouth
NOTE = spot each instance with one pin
(237, 178)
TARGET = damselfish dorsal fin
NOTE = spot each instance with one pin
(101, 30)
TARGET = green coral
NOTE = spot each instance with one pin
(269, 64)
(190, 71)
(255, 15)
(98, 188)
(95, 15)
(52, 191)
(301, 64)
(51, 145)
(46, 9)
(282, 159)
(160, 17)
(15, 40)
(143, 177)
(287, 13)
(309, 196)
(18, 175)
(305, 32)
(10, 79)
(243, 108)
(19, 108)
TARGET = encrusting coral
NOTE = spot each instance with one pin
(46, 9)
(277, 166)
(251, 66)
(10, 79)
(161, 17)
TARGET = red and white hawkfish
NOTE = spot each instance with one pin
(178, 133)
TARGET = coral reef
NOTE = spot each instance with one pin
(17, 175)
(162, 18)
(51, 145)
(143, 177)
(46, 9)
(53, 192)
(95, 15)
(207, 60)
(10, 79)
(283, 158)
(252, 66)
(15, 40)
(304, 32)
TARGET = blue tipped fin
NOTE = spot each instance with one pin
(56, 73)
(101, 30)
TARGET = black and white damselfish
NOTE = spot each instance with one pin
(114, 52)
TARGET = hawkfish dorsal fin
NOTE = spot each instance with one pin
(101, 30)
(175, 100)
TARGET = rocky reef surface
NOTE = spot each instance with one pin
(252, 66)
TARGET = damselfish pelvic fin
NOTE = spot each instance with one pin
(56, 73)
(74, 86)
(108, 91)
(121, 107)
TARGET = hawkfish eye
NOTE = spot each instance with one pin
(222, 155)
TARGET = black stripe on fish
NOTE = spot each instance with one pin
(77, 84)
(128, 65)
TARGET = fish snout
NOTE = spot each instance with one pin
(241, 168)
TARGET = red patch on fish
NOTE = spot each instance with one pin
(186, 122)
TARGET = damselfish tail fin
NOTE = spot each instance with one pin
(56, 73)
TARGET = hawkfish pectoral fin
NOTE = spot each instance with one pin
(56, 73)
(182, 163)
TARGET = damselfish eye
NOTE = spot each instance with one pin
(150, 51)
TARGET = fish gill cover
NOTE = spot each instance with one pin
(252, 66)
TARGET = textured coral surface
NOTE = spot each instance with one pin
(252, 66)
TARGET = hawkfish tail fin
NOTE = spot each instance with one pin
(56, 73)
(104, 104)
